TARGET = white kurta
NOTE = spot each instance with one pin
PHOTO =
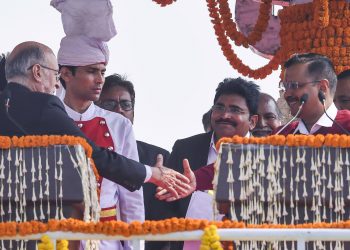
(129, 205)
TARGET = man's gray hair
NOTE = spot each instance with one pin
(17, 65)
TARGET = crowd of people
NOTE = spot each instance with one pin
(102, 111)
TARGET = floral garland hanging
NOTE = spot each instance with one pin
(321, 13)
(231, 28)
(46, 244)
(45, 141)
(139, 228)
(228, 52)
(301, 31)
(49, 140)
(314, 141)
(210, 239)
(164, 3)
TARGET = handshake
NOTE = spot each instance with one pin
(171, 184)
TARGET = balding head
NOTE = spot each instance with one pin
(23, 56)
(269, 116)
(26, 65)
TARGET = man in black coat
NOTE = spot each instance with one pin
(28, 107)
(234, 113)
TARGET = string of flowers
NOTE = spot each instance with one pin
(210, 239)
(321, 13)
(231, 28)
(46, 244)
(302, 31)
(138, 228)
(315, 141)
(164, 3)
(49, 140)
(45, 141)
(231, 56)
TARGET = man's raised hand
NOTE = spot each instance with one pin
(164, 194)
(175, 183)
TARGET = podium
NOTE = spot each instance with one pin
(266, 184)
(284, 185)
(42, 183)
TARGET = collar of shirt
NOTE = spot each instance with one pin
(213, 154)
(76, 116)
(324, 121)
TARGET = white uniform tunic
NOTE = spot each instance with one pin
(113, 131)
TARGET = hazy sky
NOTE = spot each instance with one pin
(170, 54)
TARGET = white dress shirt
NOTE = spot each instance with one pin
(324, 121)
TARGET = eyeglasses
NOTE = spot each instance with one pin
(284, 86)
(220, 109)
(58, 75)
(111, 105)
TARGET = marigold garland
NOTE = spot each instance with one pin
(210, 239)
(321, 13)
(48, 140)
(231, 28)
(46, 244)
(164, 3)
(320, 27)
(138, 228)
(315, 141)
(45, 141)
(228, 52)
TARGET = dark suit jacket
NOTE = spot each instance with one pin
(196, 150)
(44, 114)
(148, 155)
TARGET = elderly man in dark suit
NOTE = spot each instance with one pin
(28, 107)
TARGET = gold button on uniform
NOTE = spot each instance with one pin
(80, 125)
(110, 148)
(107, 134)
(102, 122)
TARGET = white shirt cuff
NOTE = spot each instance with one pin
(148, 173)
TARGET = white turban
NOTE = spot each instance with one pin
(88, 25)
(82, 51)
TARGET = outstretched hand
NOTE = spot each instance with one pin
(164, 194)
(175, 183)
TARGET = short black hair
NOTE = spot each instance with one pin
(238, 86)
(319, 67)
(72, 69)
(344, 74)
(116, 80)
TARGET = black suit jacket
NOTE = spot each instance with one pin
(44, 114)
(196, 150)
(153, 207)
(148, 155)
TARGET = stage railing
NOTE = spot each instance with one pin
(300, 236)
